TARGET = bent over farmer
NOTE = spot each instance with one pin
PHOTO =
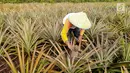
(76, 23)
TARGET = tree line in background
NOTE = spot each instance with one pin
(53, 1)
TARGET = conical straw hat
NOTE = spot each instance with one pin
(80, 20)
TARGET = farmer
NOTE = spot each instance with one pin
(75, 23)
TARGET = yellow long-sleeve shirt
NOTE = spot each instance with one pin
(65, 30)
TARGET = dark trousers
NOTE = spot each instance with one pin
(75, 32)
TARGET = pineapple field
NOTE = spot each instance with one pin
(30, 40)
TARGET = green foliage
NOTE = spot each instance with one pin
(55, 1)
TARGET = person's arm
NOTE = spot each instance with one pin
(64, 32)
(81, 34)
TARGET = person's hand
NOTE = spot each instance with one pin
(69, 45)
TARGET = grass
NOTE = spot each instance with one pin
(30, 40)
